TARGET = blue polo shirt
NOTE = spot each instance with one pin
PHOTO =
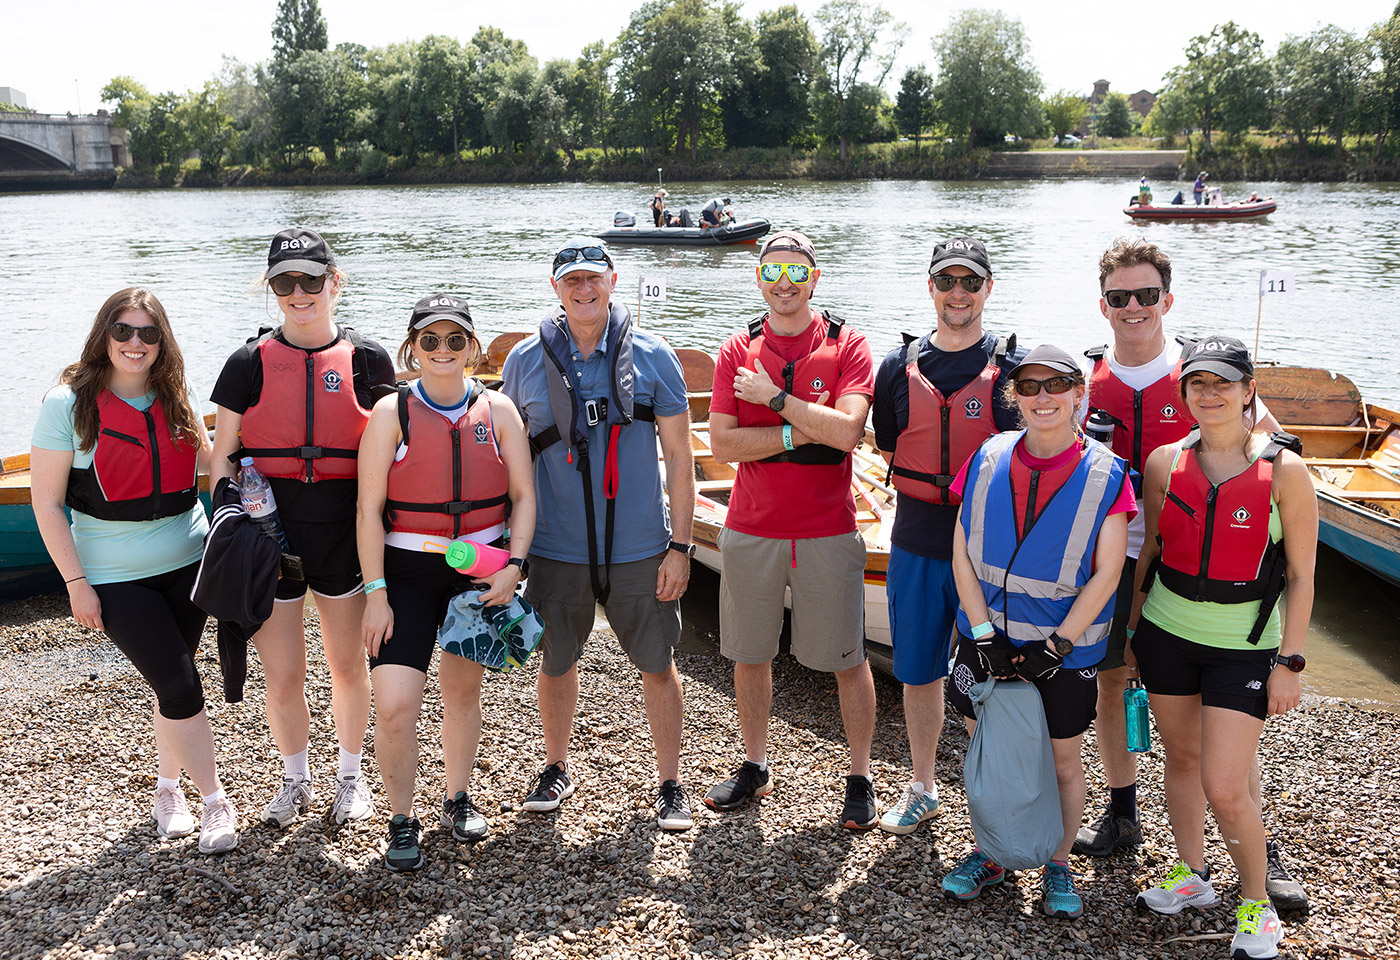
(641, 526)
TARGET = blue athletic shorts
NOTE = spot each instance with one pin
(923, 604)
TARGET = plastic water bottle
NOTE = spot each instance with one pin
(256, 494)
(1135, 717)
(476, 559)
(1100, 427)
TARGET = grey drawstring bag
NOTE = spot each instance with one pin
(1013, 799)
(499, 638)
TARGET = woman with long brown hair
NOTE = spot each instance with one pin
(119, 441)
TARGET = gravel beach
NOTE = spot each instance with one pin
(83, 874)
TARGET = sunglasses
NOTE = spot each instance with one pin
(773, 272)
(284, 283)
(943, 282)
(1146, 297)
(122, 332)
(456, 342)
(570, 254)
(1031, 388)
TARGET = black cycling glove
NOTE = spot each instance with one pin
(1040, 663)
(996, 652)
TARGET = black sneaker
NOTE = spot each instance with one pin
(552, 787)
(466, 821)
(859, 812)
(749, 782)
(404, 853)
(1108, 833)
(1285, 892)
(672, 808)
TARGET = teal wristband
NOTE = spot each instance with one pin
(374, 585)
(787, 436)
(983, 629)
(1130, 631)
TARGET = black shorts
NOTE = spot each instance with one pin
(330, 559)
(1070, 697)
(1122, 609)
(1173, 666)
(420, 586)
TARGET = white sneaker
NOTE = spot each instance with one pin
(352, 799)
(172, 813)
(1257, 931)
(292, 801)
(1182, 889)
(219, 833)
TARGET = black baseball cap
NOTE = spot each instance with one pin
(1047, 355)
(1223, 356)
(961, 252)
(441, 306)
(298, 250)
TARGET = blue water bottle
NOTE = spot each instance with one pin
(1136, 718)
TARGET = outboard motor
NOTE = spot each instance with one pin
(624, 219)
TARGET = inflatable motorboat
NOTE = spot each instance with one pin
(1246, 210)
(626, 229)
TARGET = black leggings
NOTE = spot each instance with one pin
(156, 624)
(421, 586)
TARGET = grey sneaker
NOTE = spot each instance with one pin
(219, 832)
(1285, 892)
(466, 821)
(1183, 888)
(292, 802)
(672, 808)
(172, 813)
(749, 782)
(352, 799)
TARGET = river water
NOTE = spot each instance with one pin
(200, 251)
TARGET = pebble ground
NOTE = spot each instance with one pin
(83, 874)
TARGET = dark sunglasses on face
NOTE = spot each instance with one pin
(122, 332)
(1031, 388)
(943, 282)
(284, 283)
(1146, 297)
(570, 254)
(773, 272)
(456, 342)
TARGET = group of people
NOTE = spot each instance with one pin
(714, 213)
(1007, 556)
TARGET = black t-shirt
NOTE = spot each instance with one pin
(920, 527)
(239, 387)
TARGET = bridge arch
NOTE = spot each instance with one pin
(22, 155)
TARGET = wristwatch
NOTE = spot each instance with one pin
(686, 548)
(1296, 663)
(520, 562)
(776, 404)
(1062, 646)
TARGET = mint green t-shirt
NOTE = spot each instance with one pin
(114, 551)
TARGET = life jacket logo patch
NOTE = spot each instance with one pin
(1169, 412)
(332, 380)
(1241, 515)
(973, 408)
(481, 433)
(817, 385)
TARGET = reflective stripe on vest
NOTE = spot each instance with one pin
(126, 481)
(1033, 580)
(451, 481)
(1144, 419)
(805, 378)
(322, 443)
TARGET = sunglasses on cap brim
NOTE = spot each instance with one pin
(572, 254)
(284, 283)
(1146, 297)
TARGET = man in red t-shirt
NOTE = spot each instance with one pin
(791, 394)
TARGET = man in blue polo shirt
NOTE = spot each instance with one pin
(596, 395)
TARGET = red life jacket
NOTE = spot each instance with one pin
(805, 379)
(323, 443)
(1143, 419)
(452, 481)
(943, 431)
(138, 472)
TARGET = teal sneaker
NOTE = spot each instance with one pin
(967, 880)
(404, 854)
(913, 809)
(1057, 891)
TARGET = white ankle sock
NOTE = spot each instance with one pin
(217, 795)
(762, 764)
(163, 782)
(349, 763)
(296, 765)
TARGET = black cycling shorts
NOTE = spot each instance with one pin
(1176, 667)
(330, 558)
(1070, 697)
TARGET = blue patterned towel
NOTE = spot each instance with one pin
(499, 638)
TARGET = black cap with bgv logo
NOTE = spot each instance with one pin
(441, 306)
(1225, 357)
(961, 252)
(298, 250)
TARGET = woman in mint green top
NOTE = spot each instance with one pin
(119, 441)
(1230, 517)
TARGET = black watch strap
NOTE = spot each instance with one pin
(686, 548)
(520, 562)
(1062, 646)
(1296, 663)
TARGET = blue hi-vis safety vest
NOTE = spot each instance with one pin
(1031, 581)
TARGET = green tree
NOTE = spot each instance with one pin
(1225, 82)
(859, 45)
(915, 109)
(298, 27)
(592, 95)
(316, 98)
(1319, 81)
(245, 93)
(770, 104)
(1064, 110)
(206, 124)
(491, 56)
(1169, 116)
(439, 93)
(150, 118)
(1380, 104)
(986, 82)
(390, 85)
(509, 111)
(1116, 117)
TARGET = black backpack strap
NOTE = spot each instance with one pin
(833, 324)
(1280, 441)
(756, 326)
(1186, 342)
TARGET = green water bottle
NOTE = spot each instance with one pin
(1135, 716)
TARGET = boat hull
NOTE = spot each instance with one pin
(1230, 211)
(747, 232)
(1361, 535)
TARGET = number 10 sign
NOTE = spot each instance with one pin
(1275, 281)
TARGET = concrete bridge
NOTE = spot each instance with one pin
(48, 151)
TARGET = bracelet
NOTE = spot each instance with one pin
(374, 585)
(81, 576)
(1130, 631)
(787, 436)
(983, 629)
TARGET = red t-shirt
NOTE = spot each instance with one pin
(793, 500)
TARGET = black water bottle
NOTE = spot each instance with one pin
(1100, 427)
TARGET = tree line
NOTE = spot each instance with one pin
(691, 75)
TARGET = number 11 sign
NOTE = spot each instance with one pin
(1270, 282)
